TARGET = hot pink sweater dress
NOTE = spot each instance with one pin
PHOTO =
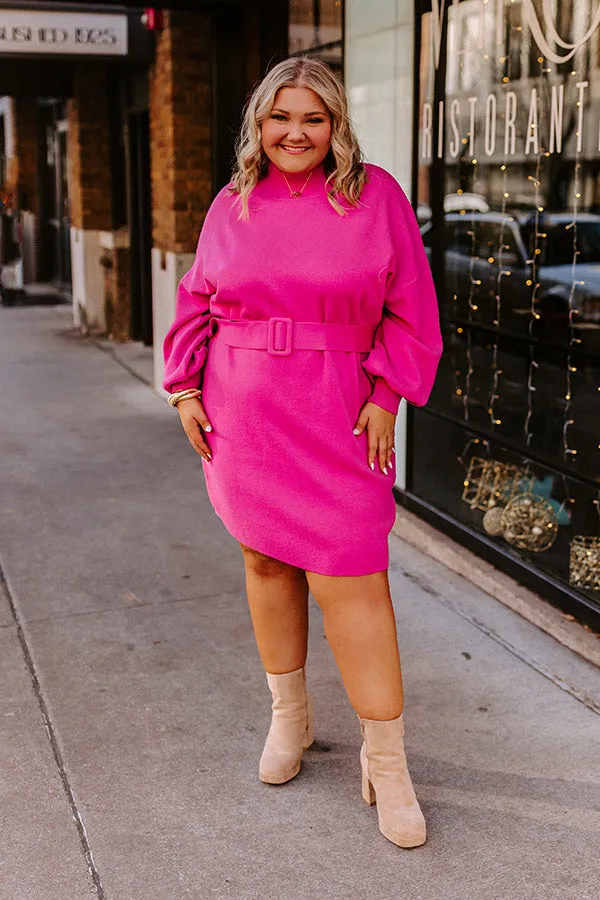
(288, 477)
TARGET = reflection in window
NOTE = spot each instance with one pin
(315, 26)
(508, 195)
(459, 237)
(558, 248)
(514, 44)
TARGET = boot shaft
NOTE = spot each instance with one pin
(386, 781)
(291, 730)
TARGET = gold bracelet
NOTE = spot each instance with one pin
(185, 391)
(179, 399)
(178, 396)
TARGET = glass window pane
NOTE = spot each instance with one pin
(509, 165)
(316, 26)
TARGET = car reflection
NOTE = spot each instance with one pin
(454, 203)
(536, 275)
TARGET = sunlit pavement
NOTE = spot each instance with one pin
(134, 707)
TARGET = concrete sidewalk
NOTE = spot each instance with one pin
(134, 708)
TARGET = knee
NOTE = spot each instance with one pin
(262, 565)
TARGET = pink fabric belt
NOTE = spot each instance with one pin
(280, 335)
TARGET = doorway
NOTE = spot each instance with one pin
(59, 221)
(140, 219)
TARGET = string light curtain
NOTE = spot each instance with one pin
(509, 185)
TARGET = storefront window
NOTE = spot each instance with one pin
(316, 27)
(509, 207)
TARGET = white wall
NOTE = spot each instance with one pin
(88, 280)
(379, 53)
(379, 79)
(167, 271)
(29, 246)
(6, 110)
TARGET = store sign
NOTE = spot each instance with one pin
(522, 114)
(478, 118)
(545, 33)
(543, 29)
(83, 34)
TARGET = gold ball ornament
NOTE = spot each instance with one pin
(492, 520)
(584, 568)
(529, 522)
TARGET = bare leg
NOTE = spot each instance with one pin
(278, 601)
(361, 629)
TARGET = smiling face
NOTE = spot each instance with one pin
(296, 136)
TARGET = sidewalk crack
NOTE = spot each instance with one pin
(52, 737)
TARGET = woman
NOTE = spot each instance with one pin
(308, 314)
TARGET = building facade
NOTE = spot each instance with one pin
(72, 79)
(488, 113)
(116, 130)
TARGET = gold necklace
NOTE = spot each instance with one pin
(295, 194)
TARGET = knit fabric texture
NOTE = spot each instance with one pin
(288, 477)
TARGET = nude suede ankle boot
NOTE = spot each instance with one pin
(386, 781)
(291, 730)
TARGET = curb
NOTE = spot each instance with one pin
(506, 590)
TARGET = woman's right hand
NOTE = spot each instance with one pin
(194, 421)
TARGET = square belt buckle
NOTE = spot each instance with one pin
(272, 331)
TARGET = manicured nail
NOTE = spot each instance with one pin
(393, 449)
(384, 470)
(372, 465)
(208, 428)
(356, 431)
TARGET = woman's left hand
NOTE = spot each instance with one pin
(380, 425)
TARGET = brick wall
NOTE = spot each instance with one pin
(11, 174)
(117, 293)
(180, 130)
(89, 149)
(25, 171)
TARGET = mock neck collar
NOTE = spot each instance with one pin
(275, 180)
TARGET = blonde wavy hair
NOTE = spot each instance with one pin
(343, 165)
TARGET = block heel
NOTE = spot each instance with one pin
(368, 791)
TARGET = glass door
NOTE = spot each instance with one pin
(63, 206)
